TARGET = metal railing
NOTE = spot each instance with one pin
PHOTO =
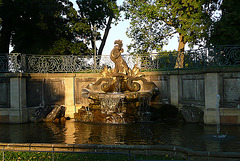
(192, 59)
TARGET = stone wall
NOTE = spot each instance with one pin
(59, 88)
(4, 92)
(20, 93)
(230, 89)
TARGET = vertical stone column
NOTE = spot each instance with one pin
(211, 91)
(69, 97)
(18, 112)
(174, 90)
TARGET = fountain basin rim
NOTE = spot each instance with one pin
(111, 95)
(117, 95)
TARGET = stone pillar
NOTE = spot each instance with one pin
(174, 90)
(211, 91)
(69, 97)
(17, 111)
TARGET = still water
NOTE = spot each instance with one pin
(194, 136)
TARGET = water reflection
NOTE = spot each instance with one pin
(195, 136)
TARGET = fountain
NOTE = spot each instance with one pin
(218, 135)
(121, 96)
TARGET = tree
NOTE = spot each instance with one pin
(41, 27)
(99, 13)
(226, 31)
(153, 22)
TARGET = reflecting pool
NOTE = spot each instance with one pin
(194, 136)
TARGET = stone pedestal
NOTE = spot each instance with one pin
(174, 90)
(211, 92)
(69, 97)
(17, 113)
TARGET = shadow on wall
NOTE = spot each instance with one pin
(4, 92)
(45, 91)
(45, 98)
(187, 113)
(165, 111)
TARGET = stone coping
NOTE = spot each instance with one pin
(62, 75)
(227, 111)
(193, 71)
(48, 75)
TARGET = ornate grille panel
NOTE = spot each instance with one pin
(201, 58)
(65, 63)
(3, 63)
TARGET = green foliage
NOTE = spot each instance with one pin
(153, 22)
(42, 26)
(54, 26)
(33, 156)
(66, 47)
(99, 13)
(47, 156)
(226, 31)
(166, 60)
(156, 157)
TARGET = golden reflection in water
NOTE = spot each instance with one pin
(69, 133)
(89, 133)
(82, 133)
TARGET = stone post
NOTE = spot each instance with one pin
(69, 97)
(17, 111)
(211, 91)
(174, 90)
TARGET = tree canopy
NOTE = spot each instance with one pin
(42, 26)
(99, 13)
(153, 22)
(226, 31)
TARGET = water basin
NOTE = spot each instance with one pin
(194, 136)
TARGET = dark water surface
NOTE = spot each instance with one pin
(194, 136)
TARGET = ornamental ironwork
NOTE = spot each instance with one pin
(3, 62)
(192, 59)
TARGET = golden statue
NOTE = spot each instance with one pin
(115, 55)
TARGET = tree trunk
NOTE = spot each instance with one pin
(180, 55)
(92, 42)
(108, 27)
(5, 35)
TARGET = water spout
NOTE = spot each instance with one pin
(218, 116)
(218, 119)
